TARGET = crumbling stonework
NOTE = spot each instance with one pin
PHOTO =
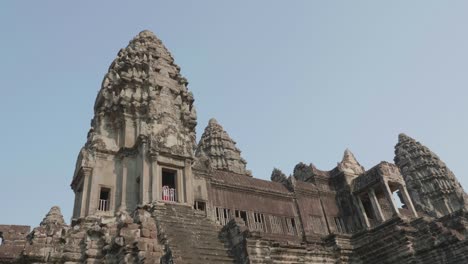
(146, 193)
(278, 176)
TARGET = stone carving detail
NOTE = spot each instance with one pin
(220, 149)
(432, 185)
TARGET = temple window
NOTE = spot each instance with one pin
(168, 185)
(241, 214)
(368, 210)
(403, 204)
(276, 224)
(397, 197)
(291, 226)
(223, 215)
(199, 206)
(258, 222)
(104, 199)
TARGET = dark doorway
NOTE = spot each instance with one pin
(104, 199)
(169, 178)
(199, 205)
(169, 185)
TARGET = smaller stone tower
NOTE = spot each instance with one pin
(433, 187)
(221, 151)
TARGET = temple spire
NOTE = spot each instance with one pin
(144, 116)
(220, 149)
(144, 87)
(53, 217)
(433, 187)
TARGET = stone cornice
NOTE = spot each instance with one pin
(83, 171)
(271, 193)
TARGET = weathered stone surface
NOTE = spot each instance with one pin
(433, 187)
(220, 149)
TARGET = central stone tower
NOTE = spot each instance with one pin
(141, 144)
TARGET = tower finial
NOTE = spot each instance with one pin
(350, 164)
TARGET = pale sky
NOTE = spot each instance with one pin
(290, 81)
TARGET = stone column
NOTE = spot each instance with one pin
(188, 182)
(180, 186)
(389, 195)
(376, 205)
(362, 211)
(144, 176)
(156, 179)
(86, 191)
(123, 188)
(407, 200)
(129, 131)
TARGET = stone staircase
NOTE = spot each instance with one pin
(189, 237)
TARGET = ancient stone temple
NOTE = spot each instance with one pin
(146, 192)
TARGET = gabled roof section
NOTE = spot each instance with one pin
(349, 164)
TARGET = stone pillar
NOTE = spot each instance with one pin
(144, 176)
(123, 188)
(180, 186)
(362, 211)
(129, 131)
(156, 179)
(86, 172)
(407, 200)
(375, 205)
(389, 195)
(188, 182)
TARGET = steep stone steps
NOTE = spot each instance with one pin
(189, 237)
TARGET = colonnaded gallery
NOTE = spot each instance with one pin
(146, 192)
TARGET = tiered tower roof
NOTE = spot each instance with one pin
(220, 149)
(144, 85)
(432, 184)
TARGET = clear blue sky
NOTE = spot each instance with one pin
(290, 81)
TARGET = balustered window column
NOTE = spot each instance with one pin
(375, 205)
